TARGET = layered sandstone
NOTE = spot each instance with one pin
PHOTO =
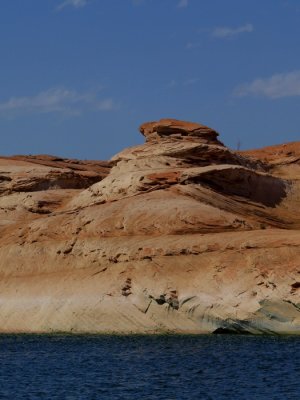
(180, 234)
(281, 160)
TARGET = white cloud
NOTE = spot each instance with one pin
(55, 100)
(183, 3)
(225, 32)
(74, 3)
(274, 87)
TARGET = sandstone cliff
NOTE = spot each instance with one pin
(180, 234)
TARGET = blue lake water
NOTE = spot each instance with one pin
(149, 367)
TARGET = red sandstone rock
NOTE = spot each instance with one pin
(282, 160)
(173, 128)
(181, 235)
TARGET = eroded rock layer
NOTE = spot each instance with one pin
(177, 235)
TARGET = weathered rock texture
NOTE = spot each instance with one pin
(180, 235)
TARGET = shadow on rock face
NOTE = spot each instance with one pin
(263, 189)
(228, 331)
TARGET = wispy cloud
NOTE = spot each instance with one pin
(106, 105)
(274, 87)
(172, 83)
(187, 82)
(225, 32)
(193, 45)
(182, 3)
(56, 100)
(73, 3)
(191, 81)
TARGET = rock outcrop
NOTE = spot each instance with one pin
(180, 234)
(31, 186)
(175, 129)
(282, 160)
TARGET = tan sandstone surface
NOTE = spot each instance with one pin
(180, 234)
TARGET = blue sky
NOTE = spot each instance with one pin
(79, 76)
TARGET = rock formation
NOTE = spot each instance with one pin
(180, 234)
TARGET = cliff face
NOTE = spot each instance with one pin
(180, 235)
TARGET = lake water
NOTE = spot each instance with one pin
(149, 367)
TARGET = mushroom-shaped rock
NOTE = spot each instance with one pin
(176, 129)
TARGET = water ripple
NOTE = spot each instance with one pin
(149, 367)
